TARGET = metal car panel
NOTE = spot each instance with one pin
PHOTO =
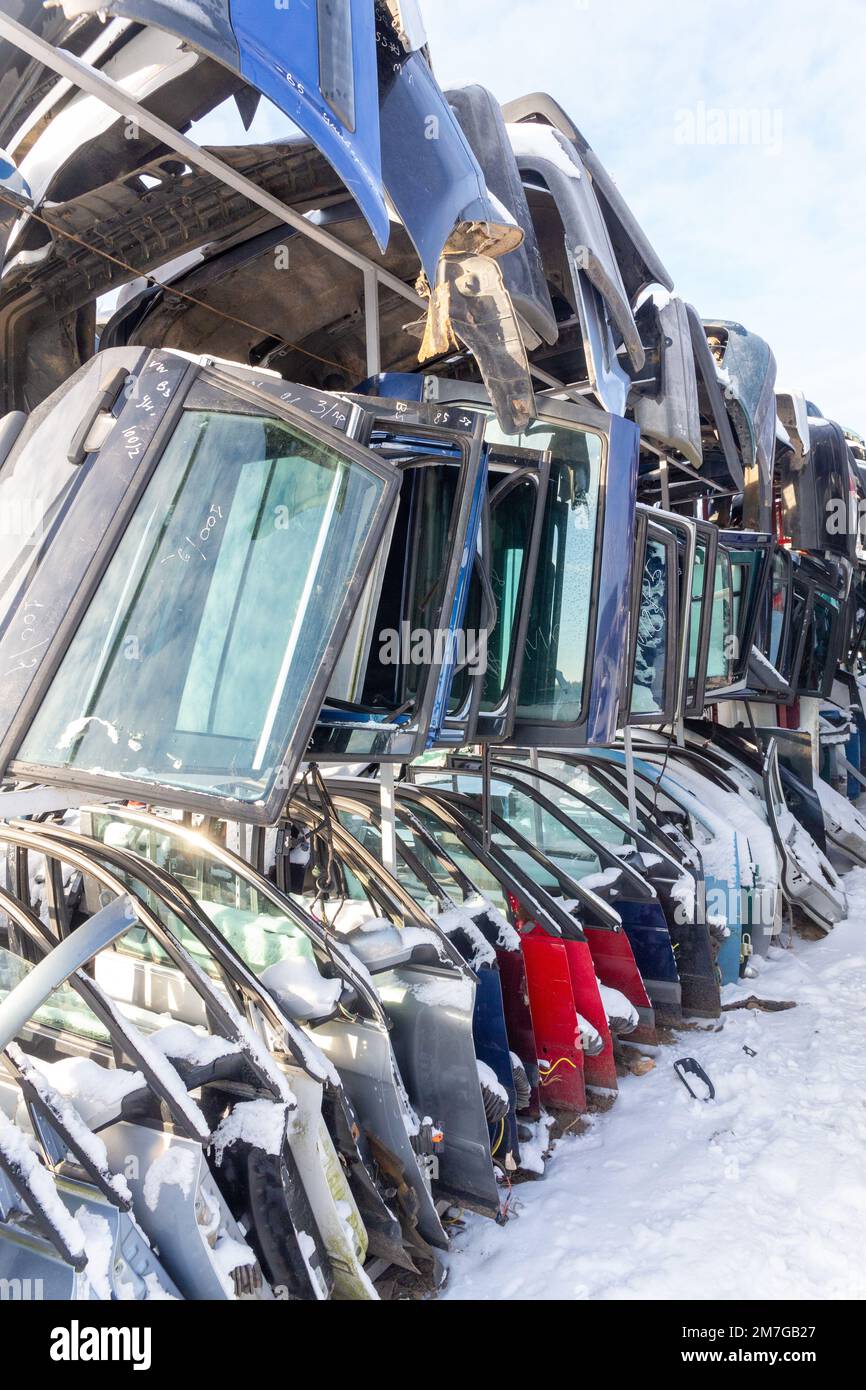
(481, 120)
(638, 262)
(671, 417)
(316, 62)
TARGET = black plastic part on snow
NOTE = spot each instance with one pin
(686, 1067)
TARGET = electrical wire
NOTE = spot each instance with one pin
(548, 1075)
(664, 767)
(499, 1137)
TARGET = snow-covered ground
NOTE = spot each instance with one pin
(760, 1194)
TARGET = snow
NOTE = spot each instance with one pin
(185, 1044)
(622, 1016)
(17, 1152)
(458, 919)
(99, 1248)
(605, 879)
(759, 1194)
(307, 1247)
(534, 1151)
(168, 1077)
(724, 813)
(649, 860)
(152, 1057)
(229, 1255)
(261, 1123)
(761, 663)
(683, 893)
(810, 861)
(376, 942)
(176, 1167)
(155, 1293)
(543, 142)
(488, 1078)
(348, 915)
(296, 984)
(97, 1090)
(90, 1145)
(364, 924)
(455, 993)
(93, 1088)
(77, 726)
(591, 1041)
(841, 818)
(507, 938)
(314, 1060)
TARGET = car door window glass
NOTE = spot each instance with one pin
(650, 667)
(244, 541)
(552, 680)
(722, 627)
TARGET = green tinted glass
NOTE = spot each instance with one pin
(696, 606)
(200, 646)
(722, 626)
(472, 867)
(551, 688)
(370, 836)
(258, 930)
(63, 1010)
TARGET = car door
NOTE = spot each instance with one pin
(195, 519)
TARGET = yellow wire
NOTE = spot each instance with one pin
(499, 1136)
(549, 1073)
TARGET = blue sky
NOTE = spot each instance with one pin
(735, 131)
(771, 233)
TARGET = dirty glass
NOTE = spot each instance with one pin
(370, 836)
(63, 1009)
(586, 816)
(536, 824)
(336, 67)
(511, 521)
(817, 648)
(584, 781)
(200, 646)
(554, 662)
(722, 627)
(778, 601)
(434, 499)
(696, 606)
(798, 613)
(257, 929)
(472, 867)
(794, 752)
(39, 481)
(531, 819)
(510, 534)
(581, 778)
(650, 665)
(745, 573)
(430, 857)
(739, 576)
